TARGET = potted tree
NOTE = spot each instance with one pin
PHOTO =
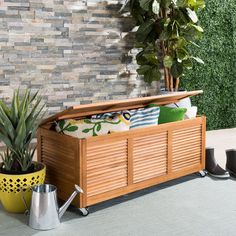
(163, 31)
(18, 125)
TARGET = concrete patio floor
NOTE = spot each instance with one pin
(187, 206)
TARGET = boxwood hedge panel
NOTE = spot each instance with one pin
(218, 76)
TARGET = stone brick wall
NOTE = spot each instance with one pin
(74, 51)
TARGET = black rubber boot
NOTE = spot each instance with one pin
(212, 167)
(231, 161)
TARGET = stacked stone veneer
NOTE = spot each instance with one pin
(74, 51)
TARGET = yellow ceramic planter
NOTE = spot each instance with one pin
(11, 185)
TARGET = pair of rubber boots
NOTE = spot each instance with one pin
(215, 170)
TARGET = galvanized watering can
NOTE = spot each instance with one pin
(44, 213)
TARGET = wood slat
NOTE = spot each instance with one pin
(146, 169)
(186, 130)
(149, 156)
(109, 169)
(182, 151)
(107, 166)
(103, 146)
(186, 148)
(111, 180)
(104, 162)
(185, 165)
(70, 177)
(103, 189)
(108, 175)
(149, 175)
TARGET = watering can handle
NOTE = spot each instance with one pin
(23, 199)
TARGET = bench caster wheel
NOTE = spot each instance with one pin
(202, 173)
(84, 211)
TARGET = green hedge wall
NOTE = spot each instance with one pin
(218, 76)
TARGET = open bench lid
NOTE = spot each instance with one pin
(126, 104)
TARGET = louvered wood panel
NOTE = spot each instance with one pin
(59, 159)
(107, 166)
(187, 147)
(149, 156)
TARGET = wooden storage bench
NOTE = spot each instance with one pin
(111, 165)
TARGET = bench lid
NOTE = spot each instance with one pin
(118, 105)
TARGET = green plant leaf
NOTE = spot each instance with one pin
(192, 15)
(151, 58)
(182, 3)
(165, 3)
(181, 54)
(155, 74)
(145, 4)
(21, 135)
(156, 7)
(18, 125)
(197, 59)
(144, 29)
(168, 61)
(195, 4)
(176, 69)
(198, 28)
(188, 64)
(144, 69)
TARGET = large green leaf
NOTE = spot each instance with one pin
(155, 74)
(188, 64)
(168, 61)
(176, 69)
(165, 3)
(144, 29)
(151, 58)
(145, 4)
(144, 69)
(182, 54)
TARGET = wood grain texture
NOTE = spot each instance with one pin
(115, 164)
(59, 154)
(107, 166)
(132, 103)
(186, 147)
(149, 156)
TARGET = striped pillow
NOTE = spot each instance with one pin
(144, 117)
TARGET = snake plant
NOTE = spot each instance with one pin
(18, 126)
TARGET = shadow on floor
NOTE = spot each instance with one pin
(130, 196)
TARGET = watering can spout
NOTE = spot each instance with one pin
(70, 199)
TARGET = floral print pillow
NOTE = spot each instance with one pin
(85, 128)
